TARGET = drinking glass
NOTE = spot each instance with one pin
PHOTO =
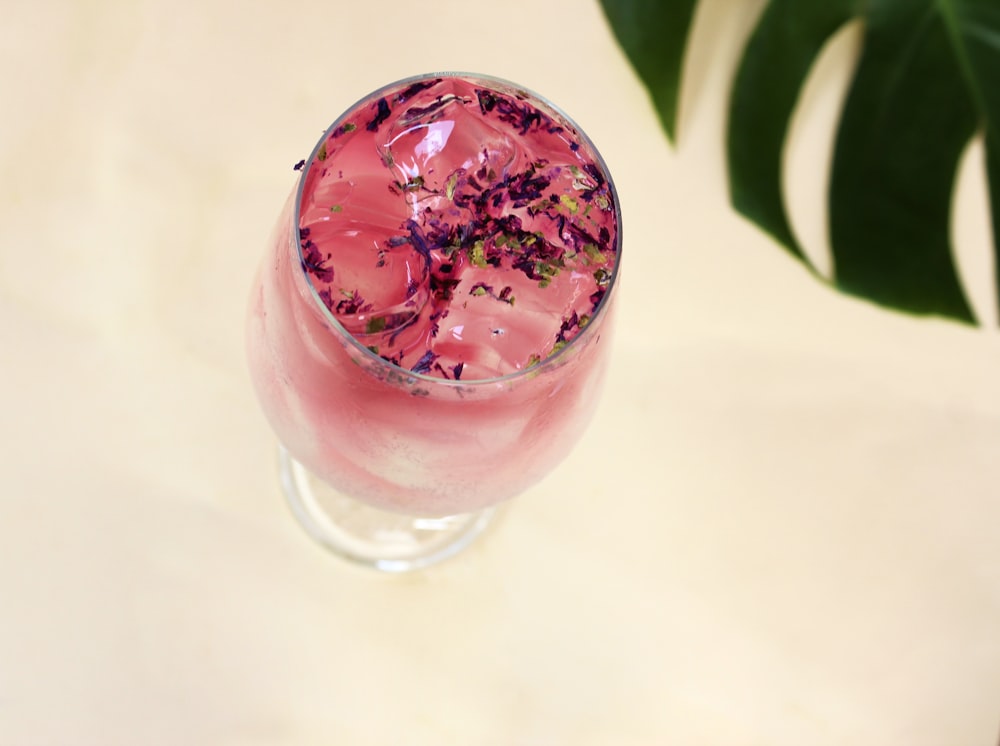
(392, 467)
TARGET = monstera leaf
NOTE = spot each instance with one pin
(928, 80)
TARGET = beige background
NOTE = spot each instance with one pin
(781, 529)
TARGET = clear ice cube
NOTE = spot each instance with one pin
(440, 132)
(368, 278)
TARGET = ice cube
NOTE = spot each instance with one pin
(369, 285)
(489, 329)
(371, 279)
(362, 198)
(440, 132)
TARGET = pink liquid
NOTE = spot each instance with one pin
(437, 345)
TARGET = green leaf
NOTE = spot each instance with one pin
(993, 175)
(653, 34)
(927, 81)
(909, 115)
(775, 65)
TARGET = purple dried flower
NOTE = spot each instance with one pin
(424, 363)
(314, 262)
(380, 116)
(415, 88)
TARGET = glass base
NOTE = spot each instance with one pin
(379, 539)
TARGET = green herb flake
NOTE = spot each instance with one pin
(477, 255)
(571, 204)
(449, 188)
(373, 348)
(545, 269)
(535, 359)
(375, 324)
(479, 290)
(584, 320)
(413, 184)
(602, 201)
(594, 253)
(581, 182)
(321, 155)
(349, 126)
(336, 208)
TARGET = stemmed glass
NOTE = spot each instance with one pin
(396, 466)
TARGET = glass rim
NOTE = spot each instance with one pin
(545, 363)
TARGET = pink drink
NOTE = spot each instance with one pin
(426, 335)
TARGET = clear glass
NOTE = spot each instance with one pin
(396, 469)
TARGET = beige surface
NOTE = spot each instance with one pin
(780, 530)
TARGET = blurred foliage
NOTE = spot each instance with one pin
(926, 83)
